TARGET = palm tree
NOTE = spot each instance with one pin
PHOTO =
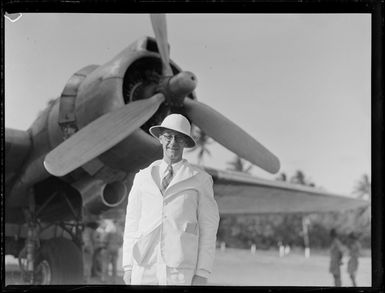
(202, 141)
(300, 178)
(363, 188)
(238, 164)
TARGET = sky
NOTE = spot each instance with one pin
(298, 83)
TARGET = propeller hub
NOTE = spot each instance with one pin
(176, 88)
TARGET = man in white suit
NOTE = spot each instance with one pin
(172, 217)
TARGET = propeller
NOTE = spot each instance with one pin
(159, 25)
(111, 128)
(230, 135)
(210, 121)
(100, 135)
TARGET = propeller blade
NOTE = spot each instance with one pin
(100, 135)
(159, 25)
(230, 135)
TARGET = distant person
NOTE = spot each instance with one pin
(88, 249)
(100, 268)
(281, 249)
(354, 252)
(114, 242)
(172, 217)
(336, 254)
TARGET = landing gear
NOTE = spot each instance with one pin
(28, 254)
(59, 261)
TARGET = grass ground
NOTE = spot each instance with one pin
(236, 267)
(266, 268)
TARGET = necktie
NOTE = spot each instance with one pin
(167, 178)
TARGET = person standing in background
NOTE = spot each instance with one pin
(336, 254)
(100, 254)
(354, 253)
(88, 249)
(114, 242)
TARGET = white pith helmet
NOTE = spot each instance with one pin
(178, 123)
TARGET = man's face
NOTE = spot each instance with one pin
(173, 144)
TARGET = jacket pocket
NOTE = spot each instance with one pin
(191, 227)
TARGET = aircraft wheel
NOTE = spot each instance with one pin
(59, 261)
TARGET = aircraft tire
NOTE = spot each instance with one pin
(59, 261)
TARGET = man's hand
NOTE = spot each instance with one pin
(127, 277)
(199, 281)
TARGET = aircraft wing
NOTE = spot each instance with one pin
(240, 193)
(17, 147)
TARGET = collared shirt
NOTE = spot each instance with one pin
(162, 170)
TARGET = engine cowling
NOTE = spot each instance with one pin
(111, 195)
(99, 196)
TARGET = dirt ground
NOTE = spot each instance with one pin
(236, 267)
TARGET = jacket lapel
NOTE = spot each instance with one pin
(184, 173)
(154, 172)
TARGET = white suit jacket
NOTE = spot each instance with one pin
(184, 220)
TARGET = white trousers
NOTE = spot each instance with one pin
(160, 274)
